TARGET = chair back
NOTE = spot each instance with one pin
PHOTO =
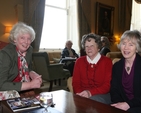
(41, 62)
(113, 55)
(115, 60)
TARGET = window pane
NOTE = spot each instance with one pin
(55, 28)
(57, 3)
(60, 24)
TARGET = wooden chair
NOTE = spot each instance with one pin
(115, 60)
(69, 84)
(49, 72)
(113, 55)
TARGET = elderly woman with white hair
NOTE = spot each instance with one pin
(68, 51)
(16, 59)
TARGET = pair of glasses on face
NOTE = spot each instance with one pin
(89, 47)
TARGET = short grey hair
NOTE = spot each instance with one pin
(87, 37)
(21, 28)
(132, 35)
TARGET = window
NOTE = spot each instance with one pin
(136, 16)
(60, 24)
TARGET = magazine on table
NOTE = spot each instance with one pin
(18, 104)
(4, 95)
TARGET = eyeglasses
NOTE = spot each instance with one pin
(89, 47)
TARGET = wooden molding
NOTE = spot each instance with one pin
(138, 1)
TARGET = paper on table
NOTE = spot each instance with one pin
(4, 95)
(69, 58)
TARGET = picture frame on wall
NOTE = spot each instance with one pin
(104, 19)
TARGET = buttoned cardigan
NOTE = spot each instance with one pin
(95, 78)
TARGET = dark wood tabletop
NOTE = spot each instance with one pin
(66, 102)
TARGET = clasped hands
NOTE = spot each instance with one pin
(84, 93)
(36, 79)
(121, 105)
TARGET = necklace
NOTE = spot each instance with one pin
(128, 65)
(127, 68)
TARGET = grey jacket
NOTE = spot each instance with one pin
(9, 67)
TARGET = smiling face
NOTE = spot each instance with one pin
(91, 48)
(128, 48)
(23, 42)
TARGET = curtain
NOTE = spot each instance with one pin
(125, 13)
(83, 26)
(33, 16)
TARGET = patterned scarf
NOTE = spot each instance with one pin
(23, 75)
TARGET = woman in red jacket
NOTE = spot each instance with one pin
(92, 73)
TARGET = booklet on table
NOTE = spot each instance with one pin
(18, 104)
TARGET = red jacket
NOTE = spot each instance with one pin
(95, 78)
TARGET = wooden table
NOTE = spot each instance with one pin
(66, 102)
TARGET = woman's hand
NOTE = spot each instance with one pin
(85, 93)
(121, 105)
(33, 75)
(36, 81)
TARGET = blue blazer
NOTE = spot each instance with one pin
(65, 53)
